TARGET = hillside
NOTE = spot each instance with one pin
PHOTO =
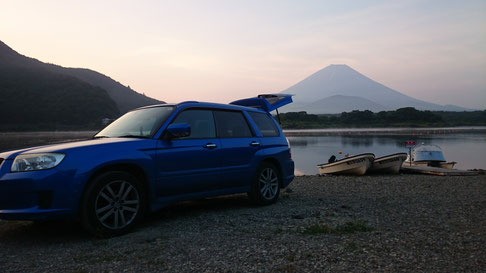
(124, 97)
(33, 98)
(352, 86)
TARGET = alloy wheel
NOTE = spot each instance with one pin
(117, 204)
(268, 183)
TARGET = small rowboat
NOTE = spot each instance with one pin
(388, 164)
(354, 165)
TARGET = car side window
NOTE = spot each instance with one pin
(265, 124)
(201, 122)
(231, 124)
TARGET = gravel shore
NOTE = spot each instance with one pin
(400, 223)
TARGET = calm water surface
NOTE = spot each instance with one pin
(467, 149)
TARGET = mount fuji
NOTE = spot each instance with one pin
(339, 88)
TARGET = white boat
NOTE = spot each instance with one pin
(388, 164)
(428, 155)
(355, 165)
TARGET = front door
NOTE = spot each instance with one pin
(190, 164)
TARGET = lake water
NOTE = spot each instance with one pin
(466, 146)
(467, 149)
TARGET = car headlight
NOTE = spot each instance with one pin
(35, 162)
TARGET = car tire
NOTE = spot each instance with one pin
(113, 203)
(265, 187)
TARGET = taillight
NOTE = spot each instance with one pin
(288, 145)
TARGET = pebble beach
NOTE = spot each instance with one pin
(381, 223)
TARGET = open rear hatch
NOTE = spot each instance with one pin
(267, 102)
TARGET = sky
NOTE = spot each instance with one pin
(220, 51)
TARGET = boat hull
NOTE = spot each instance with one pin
(444, 165)
(388, 164)
(353, 165)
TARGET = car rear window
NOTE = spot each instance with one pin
(265, 124)
(231, 124)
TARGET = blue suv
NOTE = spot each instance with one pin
(148, 158)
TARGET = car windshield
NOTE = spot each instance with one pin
(141, 123)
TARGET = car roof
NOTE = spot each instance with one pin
(188, 104)
(265, 103)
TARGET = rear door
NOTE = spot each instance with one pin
(190, 164)
(273, 143)
(239, 146)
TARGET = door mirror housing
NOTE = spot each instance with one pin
(178, 130)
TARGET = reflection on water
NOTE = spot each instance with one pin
(18, 140)
(356, 141)
(467, 149)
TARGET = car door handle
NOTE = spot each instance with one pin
(254, 143)
(210, 146)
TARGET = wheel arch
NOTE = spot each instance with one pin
(130, 168)
(275, 163)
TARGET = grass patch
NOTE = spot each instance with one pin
(290, 258)
(80, 271)
(156, 261)
(352, 227)
(346, 228)
(96, 258)
(286, 268)
(278, 231)
(351, 247)
(318, 229)
(99, 242)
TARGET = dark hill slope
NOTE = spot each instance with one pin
(33, 97)
(124, 97)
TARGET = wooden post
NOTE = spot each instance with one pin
(410, 155)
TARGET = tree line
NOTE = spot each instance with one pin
(403, 117)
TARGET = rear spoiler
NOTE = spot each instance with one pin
(266, 102)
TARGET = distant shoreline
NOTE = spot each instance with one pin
(60, 132)
(384, 131)
(291, 131)
(18, 140)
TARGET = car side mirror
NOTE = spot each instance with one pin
(178, 130)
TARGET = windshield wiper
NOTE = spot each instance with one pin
(101, 137)
(134, 136)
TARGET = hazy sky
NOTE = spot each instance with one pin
(225, 50)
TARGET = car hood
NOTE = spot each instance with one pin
(65, 147)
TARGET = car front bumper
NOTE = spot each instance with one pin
(37, 195)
